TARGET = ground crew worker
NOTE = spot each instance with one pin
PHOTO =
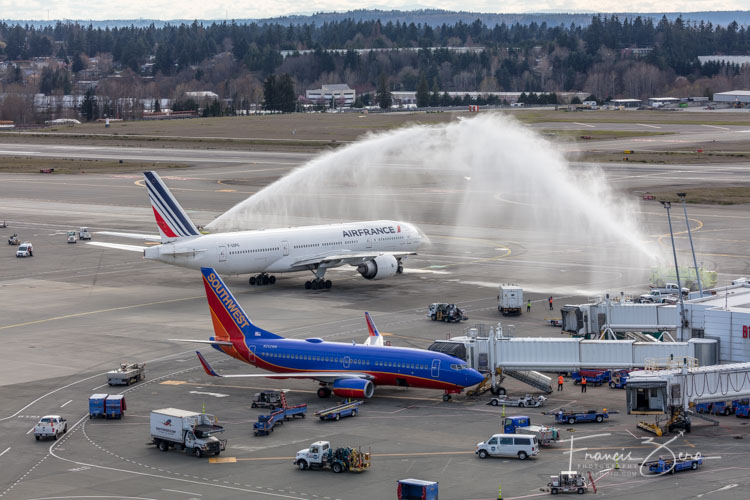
(583, 384)
(560, 383)
(528, 306)
(550, 303)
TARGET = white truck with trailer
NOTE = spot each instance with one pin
(510, 299)
(50, 426)
(186, 430)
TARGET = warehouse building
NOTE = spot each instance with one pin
(733, 96)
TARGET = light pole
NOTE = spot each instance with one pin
(690, 237)
(668, 206)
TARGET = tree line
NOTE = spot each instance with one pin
(236, 60)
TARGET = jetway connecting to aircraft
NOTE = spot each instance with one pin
(670, 395)
(523, 358)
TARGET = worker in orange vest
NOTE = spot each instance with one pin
(583, 384)
(560, 383)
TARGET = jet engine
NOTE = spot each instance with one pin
(381, 267)
(353, 388)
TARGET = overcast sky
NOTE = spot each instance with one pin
(242, 9)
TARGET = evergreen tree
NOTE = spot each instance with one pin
(89, 106)
(383, 95)
(423, 93)
(278, 93)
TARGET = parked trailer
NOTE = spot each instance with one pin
(107, 406)
(348, 409)
(417, 489)
(743, 409)
(671, 464)
(568, 482)
(186, 430)
(521, 424)
(126, 374)
(526, 401)
(266, 423)
(575, 416)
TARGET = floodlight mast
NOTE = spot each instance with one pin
(683, 322)
(690, 237)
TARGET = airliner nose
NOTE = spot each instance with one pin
(473, 377)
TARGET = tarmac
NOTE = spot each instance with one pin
(75, 311)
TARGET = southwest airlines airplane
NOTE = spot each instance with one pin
(376, 248)
(346, 370)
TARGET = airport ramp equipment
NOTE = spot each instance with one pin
(532, 378)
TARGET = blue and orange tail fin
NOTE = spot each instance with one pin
(372, 329)
(230, 321)
(206, 367)
(374, 337)
(172, 220)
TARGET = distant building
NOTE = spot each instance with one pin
(203, 94)
(740, 60)
(341, 92)
(626, 103)
(658, 102)
(637, 51)
(733, 96)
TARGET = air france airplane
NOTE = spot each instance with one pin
(346, 370)
(376, 248)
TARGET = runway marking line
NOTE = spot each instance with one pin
(6, 451)
(645, 125)
(66, 404)
(222, 460)
(185, 492)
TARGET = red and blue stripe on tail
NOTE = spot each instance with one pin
(172, 220)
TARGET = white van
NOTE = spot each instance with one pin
(509, 445)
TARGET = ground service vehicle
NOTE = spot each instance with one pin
(510, 299)
(50, 426)
(416, 489)
(657, 297)
(574, 416)
(593, 377)
(670, 289)
(186, 430)
(266, 423)
(71, 237)
(521, 424)
(83, 234)
(346, 409)
(25, 250)
(107, 406)
(267, 399)
(126, 374)
(508, 445)
(526, 401)
(568, 481)
(321, 455)
(13, 239)
(673, 464)
(619, 379)
(446, 312)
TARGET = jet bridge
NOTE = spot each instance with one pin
(671, 394)
(524, 357)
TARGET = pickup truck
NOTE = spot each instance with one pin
(670, 289)
(657, 297)
(50, 426)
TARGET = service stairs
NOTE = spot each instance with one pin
(703, 416)
(532, 378)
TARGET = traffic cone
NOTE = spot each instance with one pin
(503, 411)
(204, 408)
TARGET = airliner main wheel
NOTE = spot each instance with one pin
(400, 269)
(328, 283)
(272, 280)
(265, 280)
(308, 285)
(251, 280)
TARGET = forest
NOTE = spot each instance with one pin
(235, 60)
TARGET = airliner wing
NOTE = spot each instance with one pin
(117, 246)
(135, 236)
(322, 376)
(352, 258)
(214, 342)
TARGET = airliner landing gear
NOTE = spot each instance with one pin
(262, 279)
(400, 269)
(318, 284)
(446, 397)
(324, 392)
